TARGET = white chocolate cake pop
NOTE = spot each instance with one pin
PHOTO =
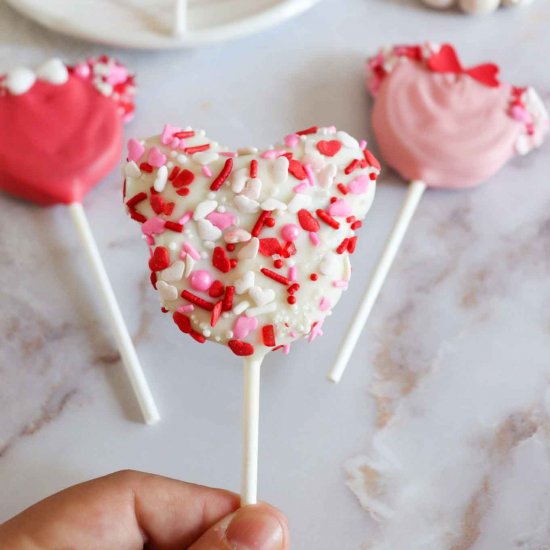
(250, 249)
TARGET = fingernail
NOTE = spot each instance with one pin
(255, 528)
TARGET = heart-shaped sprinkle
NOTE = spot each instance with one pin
(258, 245)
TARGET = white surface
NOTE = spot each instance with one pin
(125, 346)
(251, 427)
(469, 287)
(160, 24)
(376, 282)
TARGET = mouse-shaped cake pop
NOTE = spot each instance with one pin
(440, 124)
(250, 249)
(60, 135)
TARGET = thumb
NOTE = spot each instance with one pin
(259, 527)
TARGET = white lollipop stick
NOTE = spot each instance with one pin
(414, 194)
(124, 342)
(251, 422)
(180, 17)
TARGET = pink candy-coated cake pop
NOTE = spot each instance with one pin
(446, 125)
(61, 128)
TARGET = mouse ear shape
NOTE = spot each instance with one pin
(445, 61)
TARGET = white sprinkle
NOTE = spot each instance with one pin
(262, 296)
(166, 291)
(206, 333)
(326, 176)
(174, 272)
(20, 80)
(132, 170)
(189, 265)
(238, 180)
(204, 208)
(298, 202)
(256, 311)
(182, 159)
(241, 307)
(245, 283)
(253, 188)
(247, 151)
(205, 157)
(246, 205)
(207, 231)
(250, 250)
(161, 179)
(237, 235)
(280, 170)
(53, 71)
(347, 140)
(273, 204)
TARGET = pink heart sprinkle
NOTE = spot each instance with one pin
(244, 326)
(325, 304)
(340, 209)
(82, 70)
(156, 158)
(168, 133)
(222, 220)
(135, 150)
(359, 185)
(117, 74)
(292, 140)
(153, 226)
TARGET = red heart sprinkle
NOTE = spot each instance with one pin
(307, 221)
(445, 60)
(160, 259)
(157, 204)
(185, 177)
(216, 290)
(270, 246)
(329, 148)
(242, 349)
(220, 260)
(486, 74)
(183, 322)
(297, 170)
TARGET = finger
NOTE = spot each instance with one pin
(259, 527)
(122, 511)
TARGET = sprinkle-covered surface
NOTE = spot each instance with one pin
(250, 249)
(61, 127)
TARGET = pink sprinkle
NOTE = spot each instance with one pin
(117, 75)
(192, 251)
(185, 218)
(156, 158)
(187, 308)
(310, 175)
(325, 304)
(222, 220)
(340, 208)
(153, 226)
(293, 334)
(292, 273)
(201, 280)
(292, 140)
(521, 114)
(206, 171)
(175, 143)
(135, 150)
(183, 254)
(82, 70)
(332, 129)
(244, 326)
(228, 154)
(363, 144)
(301, 188)
(314, 238)
(168, 133)
(359, 185)
(273, 154)
(286, 349)
(340, 284)
(315, 331)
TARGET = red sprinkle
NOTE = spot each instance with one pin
(197, 336)
(160, 259)
(183, 191)
(223, 175)
(175, 171)
(356, 225)
(351, 219)
(185, 134)
(307, 221)
(157, 204)
(230, 247)
(371, 159)
(173, 226)
(136, 199)
(291, 300)
(153, 278)
(216, 290)
(240, 348)
(183, 322)
(197, 148)
(253, 168)
(169, 208)
(293, 288)
(352, 244)
(276, 276)
(328, 219)
(185, 177)
(312, 130)
(270, 222)
(278, 264)
(270, 246)
(343, 246)
(333, 200)
(146, 167)
(372, 176)
(297, 170)
(197, 300)
(329, 148)
(314, 276)
(220, 260)
(228, 298)
(258, 226)
(233, 262)
(216, 312)
(289, 250)
(351, 166)
(342, 188)
(268, 336)
(138, 217)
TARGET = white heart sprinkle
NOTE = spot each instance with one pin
(250, 250)
(207, 231)
(53, 71)
(280, 170)
(205, 157)
(189, 265)
(204, 208)
(326, 176)
(238, 179)
(273, 204)
(174, 272)
(262, 296)
(132, 170)
(237, 235)
(20, 80)
(246, 205)
(161, 179)
(245, 283)
(253, 188)
(166, 291)
(329, 264)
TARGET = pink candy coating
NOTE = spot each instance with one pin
(290, 232)
(201, 280)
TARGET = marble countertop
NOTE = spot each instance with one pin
(441, 426)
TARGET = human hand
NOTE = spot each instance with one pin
(132, 510)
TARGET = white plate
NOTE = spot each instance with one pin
(148, 24)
